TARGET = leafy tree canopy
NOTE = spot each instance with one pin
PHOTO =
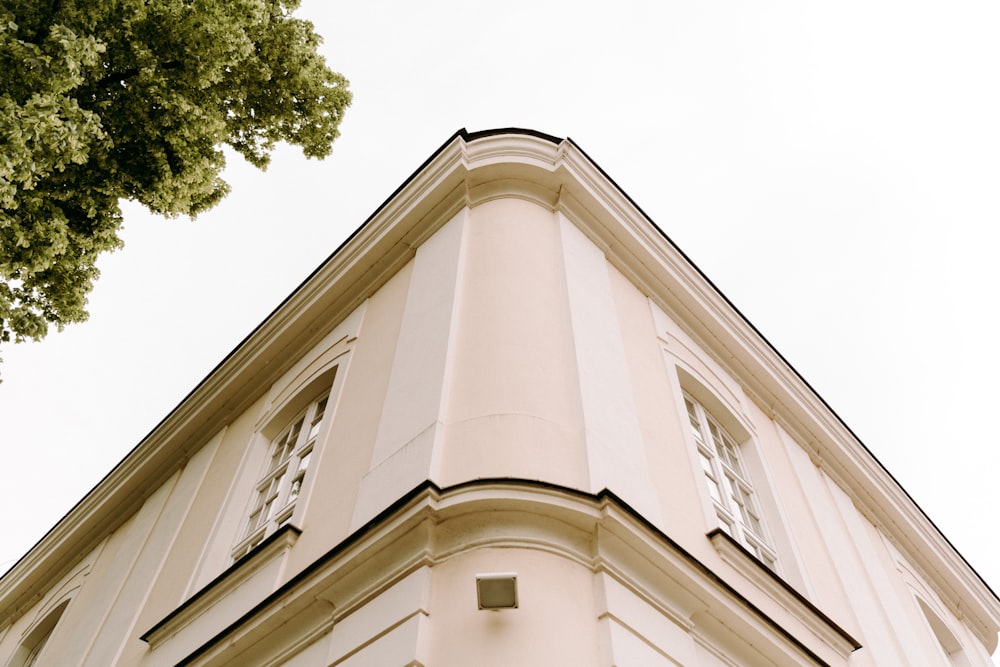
(103, 100)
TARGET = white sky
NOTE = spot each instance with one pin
(832, 167)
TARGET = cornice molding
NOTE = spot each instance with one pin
(274, 547)
(430, 526)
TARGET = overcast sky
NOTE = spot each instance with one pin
(834, 168)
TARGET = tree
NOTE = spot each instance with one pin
(134, 99)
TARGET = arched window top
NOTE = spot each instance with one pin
(33, 644)
(724, 412)
(316, 371)
(945, 637)
(287, 406)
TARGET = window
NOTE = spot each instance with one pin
(728, 483)
(33, 645)
(285, 472)
(947, 641)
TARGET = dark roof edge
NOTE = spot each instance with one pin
(483, 134)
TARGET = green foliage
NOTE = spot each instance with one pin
(133, 99)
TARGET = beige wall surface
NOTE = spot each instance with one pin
(514, 407)
(517, 342)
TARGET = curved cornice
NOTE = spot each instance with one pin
(430, 526)
(468, 169)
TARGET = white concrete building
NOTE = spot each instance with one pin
(507, 389)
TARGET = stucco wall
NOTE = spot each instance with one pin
(514, 343)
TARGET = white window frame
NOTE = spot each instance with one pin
(286, 467)
(724, 467)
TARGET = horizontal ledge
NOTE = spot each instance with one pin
(782, 592)
(422, 514)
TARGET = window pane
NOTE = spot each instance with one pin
(266, 510)
(695, 422)
(276, 455)
(317, 418)
(304, 462)
(293, 434)
(706, 463)
(692, 413)
(716, 436)
(254, 521)
(274, 485)
(725, 446)
(293, 492)
(728, 484)
(729, 453)
(714, 491)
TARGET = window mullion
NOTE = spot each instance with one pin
(279, 488)
(730, 488)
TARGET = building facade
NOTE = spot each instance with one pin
(506, 423)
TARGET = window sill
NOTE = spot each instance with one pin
(733, 553)
(236, 575)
